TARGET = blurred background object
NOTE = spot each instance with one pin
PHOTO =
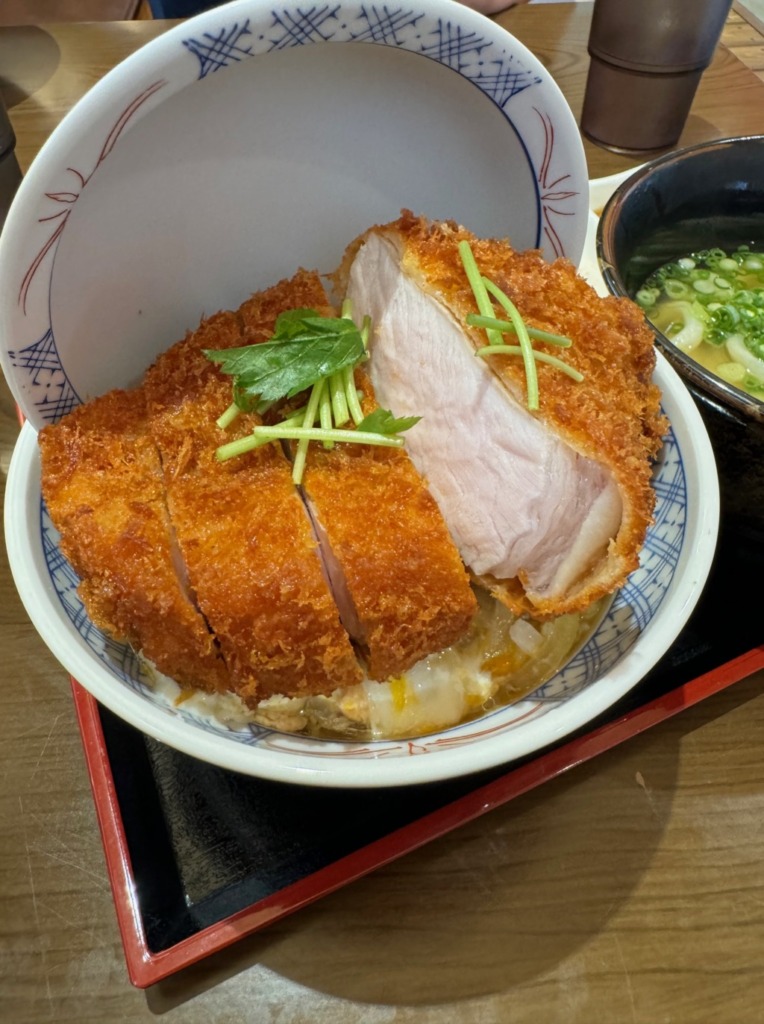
(37, 12)
(10, 173)
(180, 8)
(647, 60)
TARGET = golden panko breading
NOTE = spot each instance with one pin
(613, 417)
(242, 528)
(409, 591)
(102, 483)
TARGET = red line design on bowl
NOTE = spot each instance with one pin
(68, 199)
(551, 192)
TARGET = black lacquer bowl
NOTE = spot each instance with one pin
(704, 196)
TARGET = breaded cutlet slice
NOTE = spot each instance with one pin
(258, 313)
(102, 484)
(401, 586)
(549, 508)
(398, 580)
(247, 541)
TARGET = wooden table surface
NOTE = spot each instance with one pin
(629, 890)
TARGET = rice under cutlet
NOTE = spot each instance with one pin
(406, 591)
(102, 484)
(243, 530)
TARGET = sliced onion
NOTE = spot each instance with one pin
(691, 335)
(741, 354)
(526, 636)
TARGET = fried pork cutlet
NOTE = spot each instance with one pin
(102, 484)
(242, 528)
(549, 510)
(400, 584)
(396, 575)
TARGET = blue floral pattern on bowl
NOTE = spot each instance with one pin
(629, 616)
(221, 39)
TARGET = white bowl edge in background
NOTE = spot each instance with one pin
(153, 147)
(381, 763)
(61, 297)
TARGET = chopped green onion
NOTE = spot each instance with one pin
(676, 289)
(724, 308)
(646, 297)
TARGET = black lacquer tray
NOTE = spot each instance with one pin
(199, 856)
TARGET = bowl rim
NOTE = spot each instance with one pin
(727, 399)
(41, 601)
(161, 68)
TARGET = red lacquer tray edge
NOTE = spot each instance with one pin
(145, 968)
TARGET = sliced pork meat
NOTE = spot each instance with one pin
(402, 589)
(395, 573)
(226, 575)
(102, 484)
(243, 531)
(548, 509)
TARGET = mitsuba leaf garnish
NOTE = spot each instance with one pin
(305, 347)
(382, 421)
(307, 350)
(485, 291)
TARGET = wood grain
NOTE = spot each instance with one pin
(629, 890)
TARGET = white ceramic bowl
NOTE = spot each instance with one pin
(644, 620)
(218, 159)
(246, 142)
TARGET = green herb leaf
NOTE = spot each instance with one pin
(304, 349)
(382, 421)
(291, 322)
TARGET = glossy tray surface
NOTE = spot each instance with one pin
(199, 856)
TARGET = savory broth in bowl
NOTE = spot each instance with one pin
(710, 304)
(500, 661)
(705, 199)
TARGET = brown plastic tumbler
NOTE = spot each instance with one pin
(647, 59)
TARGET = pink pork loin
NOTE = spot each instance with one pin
(548, 509)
